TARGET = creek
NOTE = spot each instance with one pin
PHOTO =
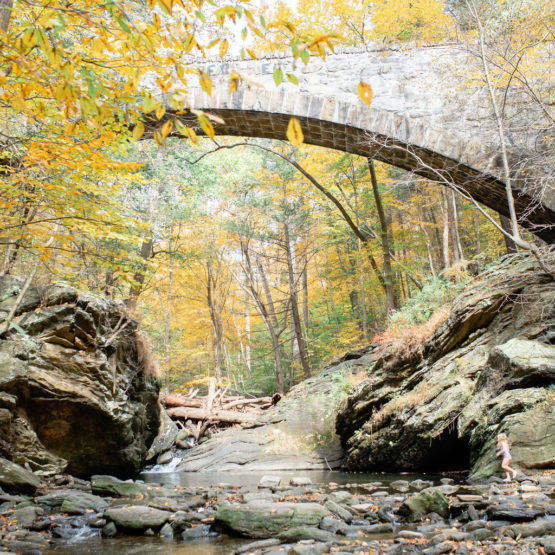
(90, 542)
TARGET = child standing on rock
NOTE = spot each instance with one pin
(503, 444)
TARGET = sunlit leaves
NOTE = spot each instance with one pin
(294, 132)
(138, 130)
(186, 131)
(364, 91)
(205, 82)
(206, 126)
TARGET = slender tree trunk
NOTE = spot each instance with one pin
(215, 318)
(140, 275)
(304, 278)
(264, 314)
(167, 326)
(295, 316)
(455, 235)
(478, 234)
(248, 336)
(510, 245)
(445, 239)
(364, 316)
(389, 277)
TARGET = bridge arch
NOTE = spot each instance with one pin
(383, 135)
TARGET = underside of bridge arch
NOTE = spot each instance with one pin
(423, 154)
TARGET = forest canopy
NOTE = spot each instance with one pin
(237, 264)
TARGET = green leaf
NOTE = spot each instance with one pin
(278, 76)
(122, 24)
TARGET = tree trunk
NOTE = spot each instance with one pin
(389, 277)
(445, 239)
(510, 245)
(295, 304)
(139, 277)
(477, 227)
(264, 314)
(215, 318)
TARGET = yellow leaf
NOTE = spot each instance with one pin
(186, 131)
(166, 129)
(160, 111)
(206, 126)
(138, 130)
(224, 45)
(205, 82)
(158, 138)
(233, 82)
(295, 133)
(365, 92)
(168, 4)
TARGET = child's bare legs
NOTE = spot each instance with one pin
(508, 470)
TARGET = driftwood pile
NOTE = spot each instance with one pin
(215, 411)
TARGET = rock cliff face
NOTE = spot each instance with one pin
(73, 392)
(490, 367)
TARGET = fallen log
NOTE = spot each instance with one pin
(228, 416)
(240, 402)
(181, 401)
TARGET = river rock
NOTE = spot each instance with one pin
(16, 478)
(430, 500)
(137, 517)
(300, 533)
(514, 512)
(108, 485)
(164, 458)
(338, 510)
(80, 502)
(86, 401)
(27, 515)
(262, 519)
(269, 482)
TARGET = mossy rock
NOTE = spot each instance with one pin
(429, 500)
(263, 519)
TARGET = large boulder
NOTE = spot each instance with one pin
(487, 369)
(82, 398)
(16, 478)
(264, 519)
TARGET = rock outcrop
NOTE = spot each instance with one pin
(298, 433)
(490, 367)
(74, 393)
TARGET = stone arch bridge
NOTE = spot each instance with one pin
(422, 117)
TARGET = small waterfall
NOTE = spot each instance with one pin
(172, 465)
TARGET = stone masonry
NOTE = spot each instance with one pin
(423, 116)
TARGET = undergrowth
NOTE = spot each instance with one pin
(415, 323)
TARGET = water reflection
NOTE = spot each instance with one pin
(251, 479)
(139, 544)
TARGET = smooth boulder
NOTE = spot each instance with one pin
(263, 519)
(16, 478)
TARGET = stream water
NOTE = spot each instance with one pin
(89, 541)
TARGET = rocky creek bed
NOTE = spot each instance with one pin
(295, 516)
